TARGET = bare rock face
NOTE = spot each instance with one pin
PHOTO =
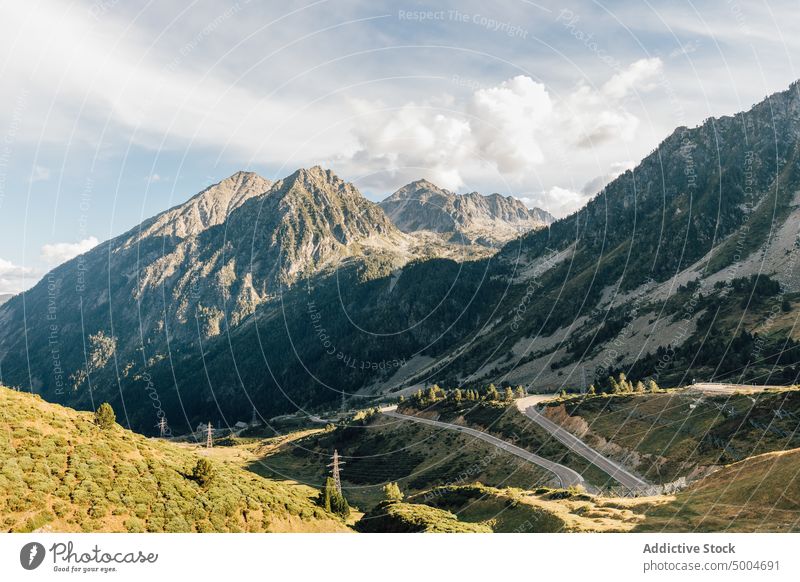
(302, 224)
(208, 208)
(466, 219)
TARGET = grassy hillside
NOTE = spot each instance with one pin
(541, 510)
(382, 449)
(759, 494)
(401, 517)
(677, 433)
(61, 472)
(504, 511)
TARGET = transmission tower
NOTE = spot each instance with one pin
(335, 470)
(162, 426)
(254, 420)
(209, 438)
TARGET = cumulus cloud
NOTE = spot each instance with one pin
(510, 129)
(508, 123)
(57, 253)
(411, 139)
(14, 278)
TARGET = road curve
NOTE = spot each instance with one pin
(565, 476)
(573, 443)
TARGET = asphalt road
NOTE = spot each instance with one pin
(729, 389)
(565, 476)
(615, 470)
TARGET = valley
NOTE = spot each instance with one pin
(434, 362)
(451, 480)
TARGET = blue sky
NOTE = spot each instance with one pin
(113, 111)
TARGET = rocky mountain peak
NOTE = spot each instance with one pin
(466, 218)
(204, 210)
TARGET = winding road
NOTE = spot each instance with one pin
(565, 476)
(573, 443)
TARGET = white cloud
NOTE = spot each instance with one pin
(57, 253)
(508, 123)
(511, 129)
(106, 72)
(639, 76)
(561, 201)
(408, 141)
(557, 201)
(14, 279)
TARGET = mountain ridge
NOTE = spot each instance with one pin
(490, 219)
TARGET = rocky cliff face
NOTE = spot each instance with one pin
(210, 207)
(465, 219)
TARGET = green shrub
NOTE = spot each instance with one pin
(134, 525)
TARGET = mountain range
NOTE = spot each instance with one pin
(302, 293)
(168, 288)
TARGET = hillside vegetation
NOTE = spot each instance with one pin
(378, 450)
(61, 472)
(676, 434)
(759, 494)
(399, 517)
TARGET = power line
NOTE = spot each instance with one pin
(335, 467)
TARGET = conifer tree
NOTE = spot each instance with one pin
(203, 472)
(332, 500)
(430, 396)
(392, 493)
(104, 416)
